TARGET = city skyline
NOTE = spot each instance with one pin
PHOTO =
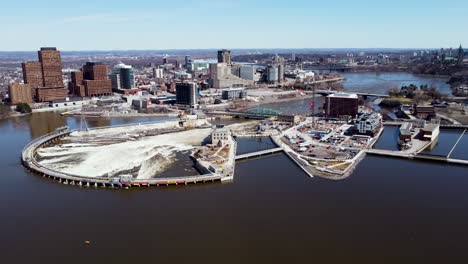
(208, 24)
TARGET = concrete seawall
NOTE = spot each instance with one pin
(28, 160)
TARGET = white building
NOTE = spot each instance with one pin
(369, 123)
(220, 135)
(182, 75)
(158, 73)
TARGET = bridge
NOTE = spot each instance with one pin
(363, 94)
(247, 114)
(259, 153)
(331, 67)
(399, 123)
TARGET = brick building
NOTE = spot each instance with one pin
(91, 81)
(32, 73)
(45, 76)
(341, 104)
(20, 93)
(51, 62)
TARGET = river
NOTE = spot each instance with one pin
(388, 211)
(375, 82)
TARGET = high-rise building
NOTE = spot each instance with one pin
(188, 60)
(45, 76)
(51, 62)
(461, 55)
(20, 93)
(91, 81)
(224, 56)
(341, 104)
(187, 94)
(122, 77)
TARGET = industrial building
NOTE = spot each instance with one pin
(341, 104)
(272, 74)
(45, 76)
(187, 94)
(247, 72)
(293, 119)
(234, 93)
(20, 93)
(222, 77)
(122, 77)
(201, 65)
(220, 135)
(430, 132)
(405, 132)
(424, 111)
(224, 56)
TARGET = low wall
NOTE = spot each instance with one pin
(29, 161)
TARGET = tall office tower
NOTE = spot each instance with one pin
(224, 56)
(32, 73)
(45, 76)
(461, 55)
(187, 94)
(122, 77)
(188, 60)
(51, 67)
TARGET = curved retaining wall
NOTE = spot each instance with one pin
(28, 159)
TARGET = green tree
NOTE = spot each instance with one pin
(23, 108)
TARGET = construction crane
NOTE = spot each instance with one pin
(314, 92)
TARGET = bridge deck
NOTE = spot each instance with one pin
(259, 153)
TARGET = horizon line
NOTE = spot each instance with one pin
(207, 49)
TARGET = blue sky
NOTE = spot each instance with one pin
(155, 24)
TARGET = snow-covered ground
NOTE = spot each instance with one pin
(91, 155)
